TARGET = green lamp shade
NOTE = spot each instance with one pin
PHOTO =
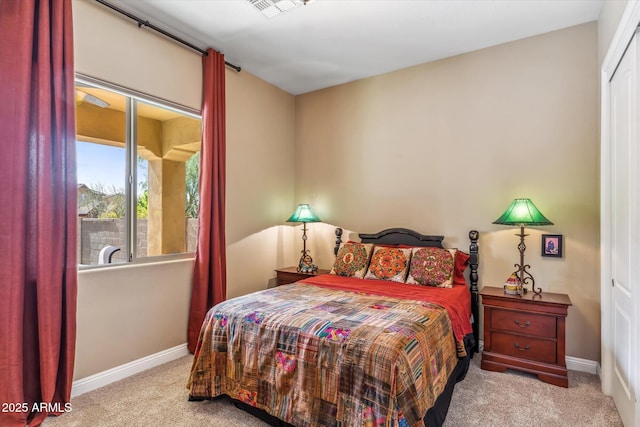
(522, 212)
(303, 213)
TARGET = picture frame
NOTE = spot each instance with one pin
(552, 245)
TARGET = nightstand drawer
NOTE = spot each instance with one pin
(522, 322)
(284, 278)
(524, 347)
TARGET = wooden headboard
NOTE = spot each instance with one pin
(405, 236)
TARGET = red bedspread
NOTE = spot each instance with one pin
(456, 300)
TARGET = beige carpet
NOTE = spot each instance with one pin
(157, 397)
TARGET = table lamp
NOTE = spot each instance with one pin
(522, 212)
(304, 214)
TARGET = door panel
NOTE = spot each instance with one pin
(622, 345)
(624, 229)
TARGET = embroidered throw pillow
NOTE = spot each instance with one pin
(389, 263)
(352, 259)
(432, 267)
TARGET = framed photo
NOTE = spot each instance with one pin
(552, 245)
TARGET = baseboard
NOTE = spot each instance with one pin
(573, 363)
(101, 379)
(582, 365)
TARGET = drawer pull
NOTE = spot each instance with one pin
(526, 324)
(516, 345)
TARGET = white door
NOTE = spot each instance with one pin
(624, 232)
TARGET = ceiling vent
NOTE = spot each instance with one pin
(271, 8)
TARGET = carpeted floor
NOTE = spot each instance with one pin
(158, 397)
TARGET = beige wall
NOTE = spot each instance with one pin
(125, 313)
(444, 147)
(260, 181)
(114, 49)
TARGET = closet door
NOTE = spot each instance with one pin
(624, 232)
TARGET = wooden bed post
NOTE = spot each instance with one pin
(338, 241)
(473, 278)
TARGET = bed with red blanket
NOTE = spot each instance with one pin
(343, 351)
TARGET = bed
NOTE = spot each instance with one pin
(382, 340)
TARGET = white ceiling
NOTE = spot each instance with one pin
(329, 42)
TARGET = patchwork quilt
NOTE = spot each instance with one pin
(316, 356)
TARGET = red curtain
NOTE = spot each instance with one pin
(210, 271)
(38, 272)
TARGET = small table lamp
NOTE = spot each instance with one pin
(523, 212)
(304, 214)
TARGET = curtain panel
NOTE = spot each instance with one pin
(209, 274)
(38, 271)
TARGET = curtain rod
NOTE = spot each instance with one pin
(142, 23)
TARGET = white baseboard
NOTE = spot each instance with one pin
(582, 365)
(101, 379)
(573, 363)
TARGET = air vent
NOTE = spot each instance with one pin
(271, 8)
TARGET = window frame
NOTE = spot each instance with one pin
(131, 179)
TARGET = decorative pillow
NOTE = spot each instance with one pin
(461, 263)
(352, 259)
(388, 263)
(432, 267)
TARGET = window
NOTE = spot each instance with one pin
(138, 170)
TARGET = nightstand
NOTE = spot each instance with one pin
(288, 275)
(525, 333)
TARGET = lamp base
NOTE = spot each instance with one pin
(524, 277)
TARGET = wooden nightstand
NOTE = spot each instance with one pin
(525, 333)
(290, 274)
